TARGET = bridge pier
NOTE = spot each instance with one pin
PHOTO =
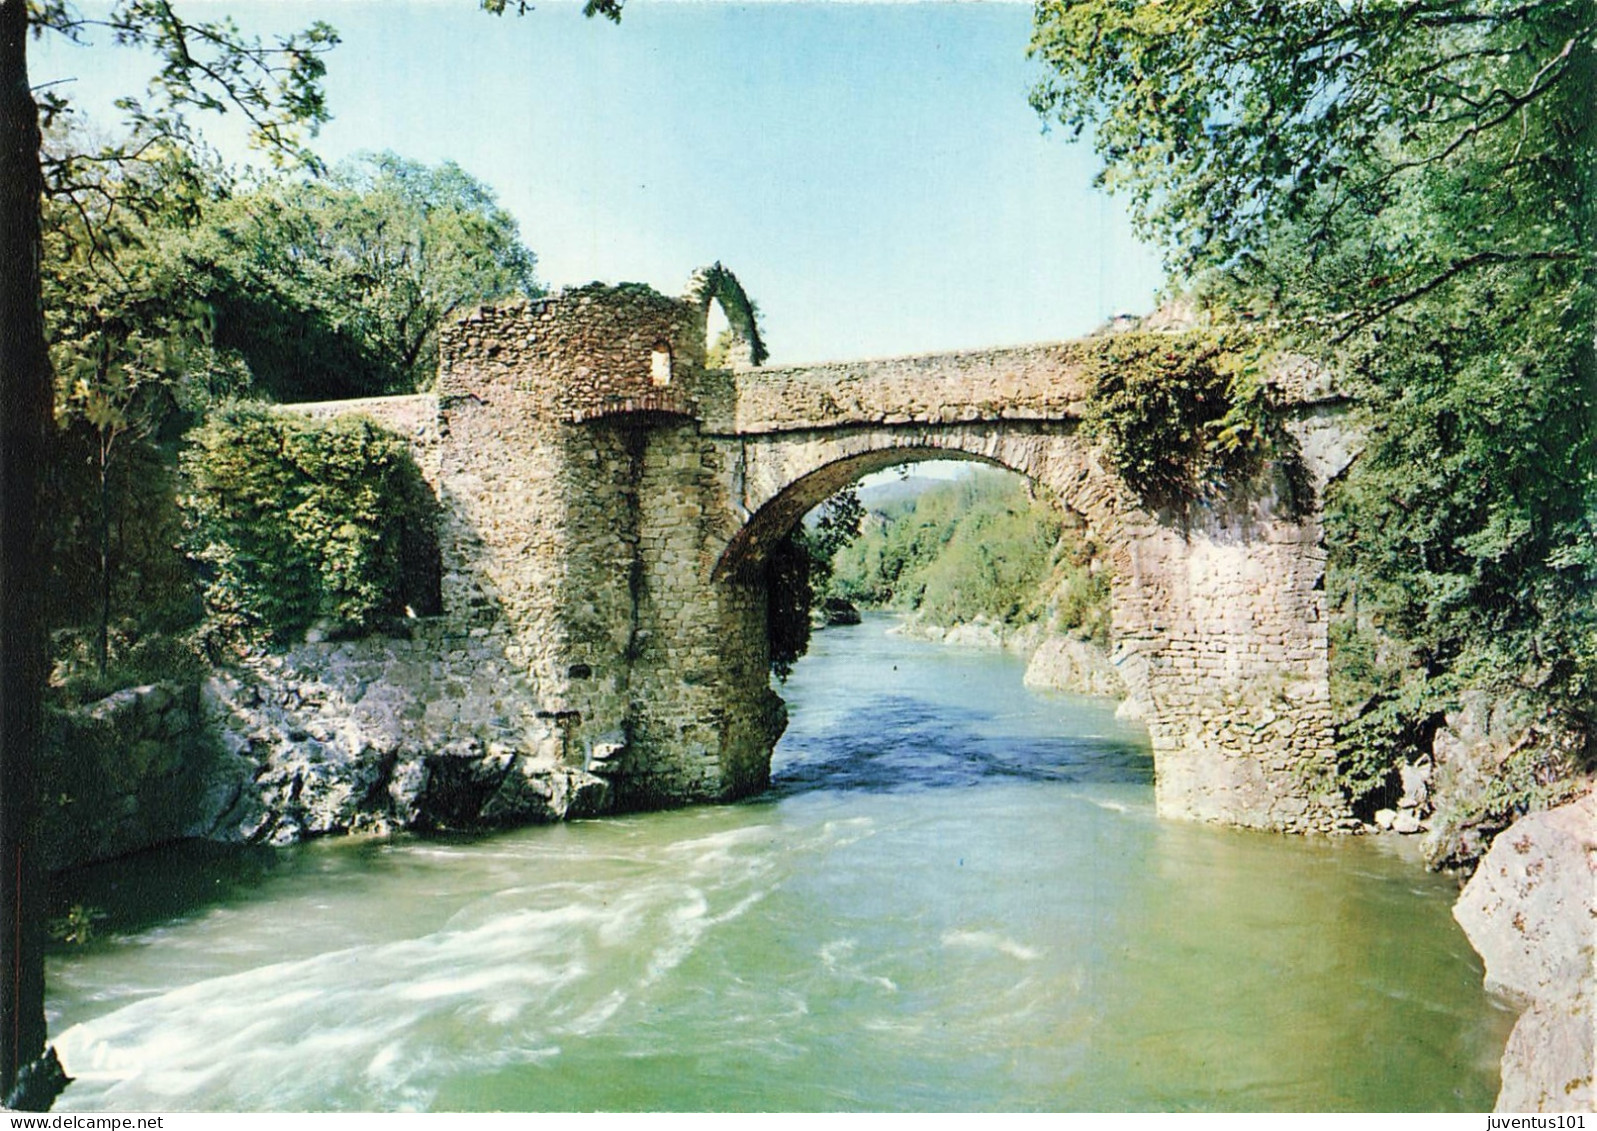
(612, 501)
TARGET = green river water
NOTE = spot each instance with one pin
(955, 896)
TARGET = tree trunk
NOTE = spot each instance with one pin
(105, 555)
(25, 408)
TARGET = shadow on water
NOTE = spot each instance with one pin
(904, 744)
(162, 884)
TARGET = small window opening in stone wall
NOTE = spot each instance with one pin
(579, 671)
(660, 365)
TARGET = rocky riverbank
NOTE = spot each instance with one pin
(1056, 661)
(1530, 911)
(422, 730)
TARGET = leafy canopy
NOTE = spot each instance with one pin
(336, 287)
(1231, 125)
(1404, 191)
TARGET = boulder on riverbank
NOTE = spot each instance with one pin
(1056, 661)
(134, 769)
(419, 731)
(834, 612)
(1530, 911)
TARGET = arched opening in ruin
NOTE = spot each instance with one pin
(732, 333)
(717, 334)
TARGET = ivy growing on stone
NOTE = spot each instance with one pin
(297, 521)
(1179, 415)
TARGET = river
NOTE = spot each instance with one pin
(956, 895)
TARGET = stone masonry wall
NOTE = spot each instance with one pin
(577, 485)
(135, 769)
(704, 716)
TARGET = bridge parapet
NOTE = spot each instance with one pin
(1039, 382)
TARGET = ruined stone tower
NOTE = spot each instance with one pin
(577, 486)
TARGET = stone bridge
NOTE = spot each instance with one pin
(609, 501)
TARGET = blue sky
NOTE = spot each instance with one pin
(872, 172)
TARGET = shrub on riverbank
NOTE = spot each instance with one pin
(298, 520)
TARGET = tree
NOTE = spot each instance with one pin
(799, 569)
(1406, 192)
(202, 65)
(24, 432)
(1233, 124)
(127, 339)
(167, 289)
(336, 286)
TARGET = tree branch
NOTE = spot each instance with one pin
(1361, 319)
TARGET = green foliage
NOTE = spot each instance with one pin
(1082, 591)
(76, 927)
(130, 337)
(157, 310)
(152, 586)
(137, 656)
(207, 65)
(981, 547)
(836, 525)
(991, 566)
(299, 521)
(1462, 533)
(167, 285)
(128, 346)
(1406, 192)
(789, 595)
(337, 287)
(609, 9)
(1231, 125)
(1386, 706)
(1175, 412)
(798, 569)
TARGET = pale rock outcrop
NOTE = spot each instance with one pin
(423, 730)
(1531, 912)
(1065, 663)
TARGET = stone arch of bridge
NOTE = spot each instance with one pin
(1218, 624)
(784, 477)
(780, 477)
